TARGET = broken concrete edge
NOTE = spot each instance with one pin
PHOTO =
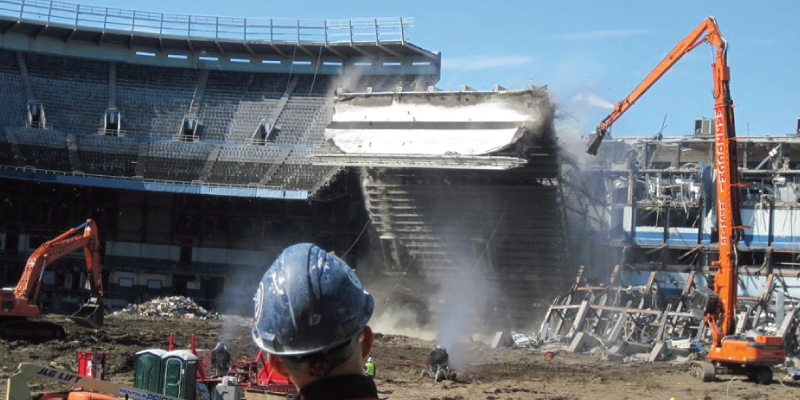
(584, 342)
(502, 339)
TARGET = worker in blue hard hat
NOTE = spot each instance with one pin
(311, 317)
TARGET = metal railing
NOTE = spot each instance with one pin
(255, 142)
(154, 136)
(112, 132)
(138, 179)
(39, 125)
(358, 30)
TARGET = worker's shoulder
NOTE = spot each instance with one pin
(349, 387)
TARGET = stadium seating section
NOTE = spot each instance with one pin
(234, 103)
(153, 102)
(12, 90)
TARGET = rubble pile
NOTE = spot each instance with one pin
(649, 322)
(169, 307)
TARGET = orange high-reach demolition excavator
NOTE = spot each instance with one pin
(729, 353)
(18, 304)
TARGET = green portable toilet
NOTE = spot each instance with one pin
(179, 374)
(148, 370)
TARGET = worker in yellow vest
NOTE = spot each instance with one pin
(369, 368)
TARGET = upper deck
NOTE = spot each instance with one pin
(372, 46)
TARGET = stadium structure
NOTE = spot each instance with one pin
(185, 137)
(644, 213)
(198, 144)
(653, 212)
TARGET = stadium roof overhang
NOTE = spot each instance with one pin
(418, 161)
(434, 129)
(263, 48)
(369, 46)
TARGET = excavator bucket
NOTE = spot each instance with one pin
(91, 314)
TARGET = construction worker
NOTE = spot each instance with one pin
(220, 360)
(369, 368)
(311, 317)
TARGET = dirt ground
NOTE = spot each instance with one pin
(484, 373)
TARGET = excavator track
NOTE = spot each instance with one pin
(31, 331)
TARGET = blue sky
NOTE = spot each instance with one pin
(589, 53)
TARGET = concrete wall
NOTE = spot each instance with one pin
(143, 250)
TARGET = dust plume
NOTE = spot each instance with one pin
(462, 303)
(398, 310)
(582, 181)
(401, 321)
(236, 300)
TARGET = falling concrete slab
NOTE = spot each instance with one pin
(439, 123)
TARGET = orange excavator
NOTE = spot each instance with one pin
(18, 304)
(729, 353)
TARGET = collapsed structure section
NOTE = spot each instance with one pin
(650, 233)
(463, 190)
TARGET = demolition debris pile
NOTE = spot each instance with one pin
(169, 307)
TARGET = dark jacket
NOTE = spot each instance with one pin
(344, 387)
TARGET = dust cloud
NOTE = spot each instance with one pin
(462, 303)
(401, 321)
(236, 300)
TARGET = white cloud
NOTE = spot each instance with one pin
(593, 100)
(483, 62)
(603, 34)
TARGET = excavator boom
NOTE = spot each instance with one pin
(20, 303)
(707, 31)
(720, 312)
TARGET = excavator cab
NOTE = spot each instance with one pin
(90, 315)
(7, 299)
(702, 301)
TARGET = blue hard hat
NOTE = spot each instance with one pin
(308, 302)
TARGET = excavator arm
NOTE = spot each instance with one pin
(20, 302)
(707, 31)
(754, 355)
(722, 319)
(27, 288)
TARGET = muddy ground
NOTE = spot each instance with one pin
(484, 373)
